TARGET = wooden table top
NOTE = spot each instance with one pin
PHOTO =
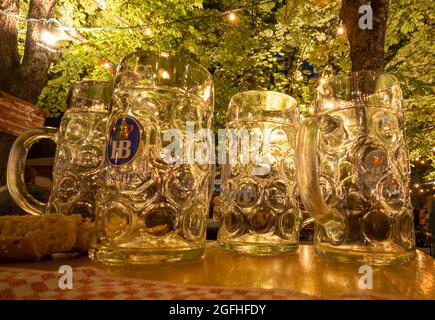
(303, 272)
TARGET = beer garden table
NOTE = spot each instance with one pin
(220, 275)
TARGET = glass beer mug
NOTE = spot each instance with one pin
(259, 202)
(153, 201)
(79, 153)
(353, 170)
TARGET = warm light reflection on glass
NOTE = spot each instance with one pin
(164, 74)
(276, 102)
(99, 106)
(305, 257)
(277, 136)
(207, 93)
(329, 105)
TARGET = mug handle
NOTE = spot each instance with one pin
(308, 181)
(17, 163)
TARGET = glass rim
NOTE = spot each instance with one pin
(260, 92)
(82, 82)
(84, 90)
(372, 72)
(358, 74)
(91, 83)
(163, 55)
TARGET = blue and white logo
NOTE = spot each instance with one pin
(124, 140)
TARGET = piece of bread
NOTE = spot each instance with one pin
(29, 238)
(13, 248)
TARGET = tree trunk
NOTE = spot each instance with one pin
(25, 80)
(32, 73)
(9, 58)
(366, 45)
(9, 63)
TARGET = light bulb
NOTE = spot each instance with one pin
(102, 4)
(232, 17)
(48, 38)
(73, 33)
(340, 30)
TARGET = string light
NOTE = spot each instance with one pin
(232, 17)
(148, 32)
(72, 32)
(48, 38)
(421, 187)
(101, 3)
(340, 29)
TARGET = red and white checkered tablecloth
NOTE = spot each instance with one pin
(95, 284)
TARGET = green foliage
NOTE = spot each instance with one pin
(410, 54)
(265, 49)
(73, 64)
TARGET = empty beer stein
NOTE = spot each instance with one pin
(79, 153)
(353, 170)
(259, 201)
(154, 196)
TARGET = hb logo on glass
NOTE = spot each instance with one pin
(124, 140)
